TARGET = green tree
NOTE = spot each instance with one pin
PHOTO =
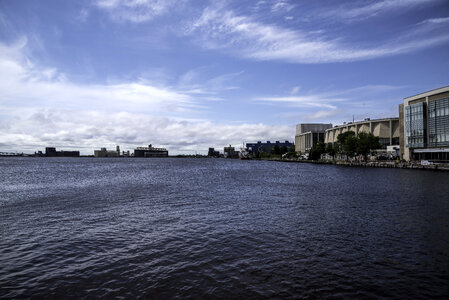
(350, 146)
(275, 150)
(330, 149)
(341, 139)
(367, 142)
(316, 151)
(347, 143)
(291, 151)
(283, 150)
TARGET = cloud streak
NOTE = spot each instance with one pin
(373, 9)
(327, 99)
(136, 11)
(221, 29)
(302, 101)
(325, 105)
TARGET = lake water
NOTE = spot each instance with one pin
(217, 228)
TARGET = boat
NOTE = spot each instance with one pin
(244, 154)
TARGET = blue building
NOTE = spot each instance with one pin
(266, 147)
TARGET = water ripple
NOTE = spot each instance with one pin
(215, 228)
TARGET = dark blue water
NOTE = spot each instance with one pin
(216, 228)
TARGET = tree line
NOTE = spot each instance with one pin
(276, 151)
(348, 144)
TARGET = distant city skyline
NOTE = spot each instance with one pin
(189, 75)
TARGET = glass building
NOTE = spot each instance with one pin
(438, 123)
(415, 125)
(426, 126)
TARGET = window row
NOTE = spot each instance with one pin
(439, 112)
(441, 137)
(415, 132)
(415, 142)
(415, 108)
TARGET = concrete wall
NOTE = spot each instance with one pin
(304, 142)
(401, 131)
(383, 128)
(313, 127)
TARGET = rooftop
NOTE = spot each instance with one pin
(429, 93)
(367, 120)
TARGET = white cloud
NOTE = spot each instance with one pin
(321, 115)
(281, 5)
(377, 7)
(86, 130)
(40, 107)
(136, 11)
(24, 82)
(435, 21)
(332, 101)
(295, 90)
(248, 38)
(194, 82)
(303, 101)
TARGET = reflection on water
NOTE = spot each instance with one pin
(172, 228)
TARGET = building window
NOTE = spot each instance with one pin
(415, 125)
(438, 123)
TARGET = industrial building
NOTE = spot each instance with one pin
(105, 153)
(386, 129)
(51, 152)
(150, 151)
(229, 152)
(254, 148)
(308, 134)
(213, 153)
(425, 118)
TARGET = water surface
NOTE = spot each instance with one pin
(216, 228)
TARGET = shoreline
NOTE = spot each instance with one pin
(372, 164)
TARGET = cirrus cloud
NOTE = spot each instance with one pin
(219, 28)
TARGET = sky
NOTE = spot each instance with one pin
(190, 74)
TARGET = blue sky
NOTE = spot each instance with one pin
(189, 75)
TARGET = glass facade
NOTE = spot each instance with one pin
(415, 124)
(384, 142)
(438, 123)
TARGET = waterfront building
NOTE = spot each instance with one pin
(103, 152)
(213, 153)
(51, 152)
(230, 152)
(386, 129)
(308, 134)
(426, 126)
(254, 148)
(150, 151)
